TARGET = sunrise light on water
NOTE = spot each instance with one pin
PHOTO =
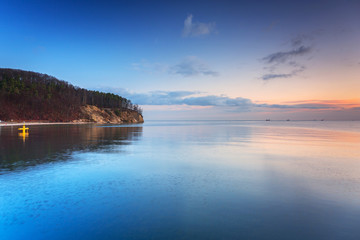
(180, 119)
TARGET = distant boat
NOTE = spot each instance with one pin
(268, 119)
(288, 120)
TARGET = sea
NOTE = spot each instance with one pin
(181, 180)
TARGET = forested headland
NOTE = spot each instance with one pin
(26, 95)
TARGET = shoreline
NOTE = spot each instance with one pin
(10, 124)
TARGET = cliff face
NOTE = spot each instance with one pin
(90, 113)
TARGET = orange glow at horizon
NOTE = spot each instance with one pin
(328, 104)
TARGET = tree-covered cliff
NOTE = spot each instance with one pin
(26, 95)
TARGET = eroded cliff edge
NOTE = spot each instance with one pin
(90, 113)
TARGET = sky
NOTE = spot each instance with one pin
(216, 60)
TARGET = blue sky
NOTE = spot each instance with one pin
(196, 59)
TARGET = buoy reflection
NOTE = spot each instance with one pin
(23, 136)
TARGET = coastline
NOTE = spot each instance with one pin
(10, 124)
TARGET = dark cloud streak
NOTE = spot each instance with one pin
(272, 76)
(281, 57)
(287, 59)
(296, 71)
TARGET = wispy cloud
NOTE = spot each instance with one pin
(302, 39)
(308, 106)
(272, 76)
(278, 61)
(293, 73)
(325, 105)
(188, 67)
(155, 97)
(196, 29)
(213, 100)
(339, 104)
(192, 66)
(281, 57)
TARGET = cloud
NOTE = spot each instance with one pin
(192, 66)
(157, 97)
(182, 97)
(313, 106)
(196, 29)
(302, 38)
(278, 61)
(293, 73)
(188, 67)
(281, 57)
(351, 104)
(272, 76)
(213, 100)
(190, 100)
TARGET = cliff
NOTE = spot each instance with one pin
(31, 96)
(90, 113)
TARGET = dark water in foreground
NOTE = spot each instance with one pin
(182, 180)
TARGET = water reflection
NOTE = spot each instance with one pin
(23, 136)
(184, 180)
(53, 143)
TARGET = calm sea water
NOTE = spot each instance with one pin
(182, 180)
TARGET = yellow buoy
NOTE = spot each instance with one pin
(24, 130)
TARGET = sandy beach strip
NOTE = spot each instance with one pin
(5, 124)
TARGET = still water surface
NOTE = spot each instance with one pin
(182, 180)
